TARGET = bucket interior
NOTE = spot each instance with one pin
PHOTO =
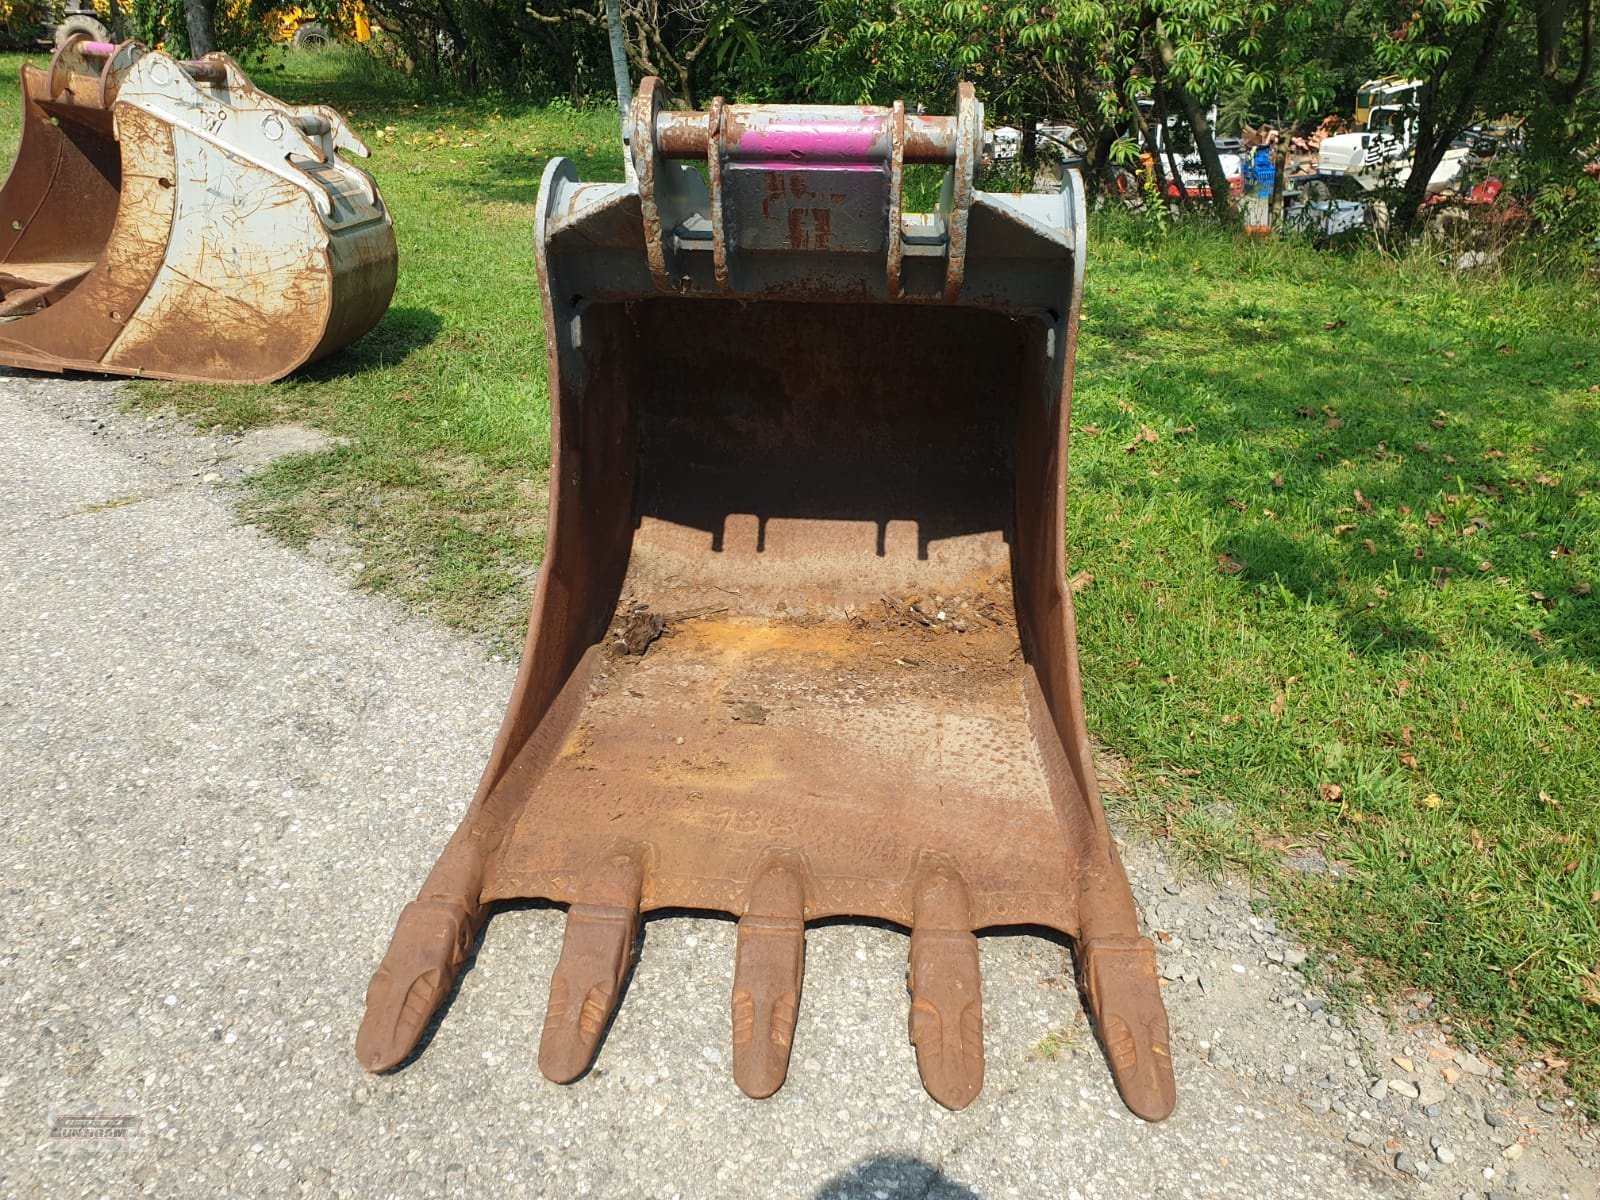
(821, 525)
(59, 202)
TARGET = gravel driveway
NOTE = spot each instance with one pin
(224, 773)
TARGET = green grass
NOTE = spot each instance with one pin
(1342, 608)
(1360, 556)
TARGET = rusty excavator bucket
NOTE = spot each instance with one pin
(802, 645)
(167, 218)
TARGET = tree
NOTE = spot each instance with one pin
(197, 20)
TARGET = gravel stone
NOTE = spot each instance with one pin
(226, 771)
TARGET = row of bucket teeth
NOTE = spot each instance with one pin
(946, 1012)
(769, 966)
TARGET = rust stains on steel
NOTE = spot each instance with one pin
(167, 218)
(802, 644)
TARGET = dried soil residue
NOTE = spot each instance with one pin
(950, 644)
(968, 637)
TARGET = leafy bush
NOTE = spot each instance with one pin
(21, 22)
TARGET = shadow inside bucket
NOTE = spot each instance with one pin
(837, 432)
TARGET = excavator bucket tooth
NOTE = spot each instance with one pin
(167, 218)
(946, 991)
(602, 932)
(802, 636)
(430, 944)
(769, 965)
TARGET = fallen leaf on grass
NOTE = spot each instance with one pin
(1369, 545)
(1341, 530)
(1494, 453)
(1330, 793)
(1434, 520)
(1184, 429)
(1589, 987)
(1546, 480)
(1417, 555)
(1333, 423)
(1561, 552)
(1332, 325)
(1276, 707)
(1080, 581)
(1402, 686)
(1580, 588)
(1546, 798)
(1508, 349)
(1145, 435)
(1229, 565)
(1432, 800)
(1277, 480)
(1579, 700)
(1409, 761)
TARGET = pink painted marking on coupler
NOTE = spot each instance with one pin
(807, 140)
(790, 164)
(97, 49)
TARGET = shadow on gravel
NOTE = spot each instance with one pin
(894, 1177)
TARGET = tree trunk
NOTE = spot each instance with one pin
(1441, 120)
(1164, 138)
(1204, 142)
(1098, 165)
(619, 74)
(619, 56)
(1280, 159)
(1152, 152)
(202, 37)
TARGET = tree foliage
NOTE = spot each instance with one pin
(1118, 71)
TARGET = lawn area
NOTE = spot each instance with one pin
(1341, 514)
